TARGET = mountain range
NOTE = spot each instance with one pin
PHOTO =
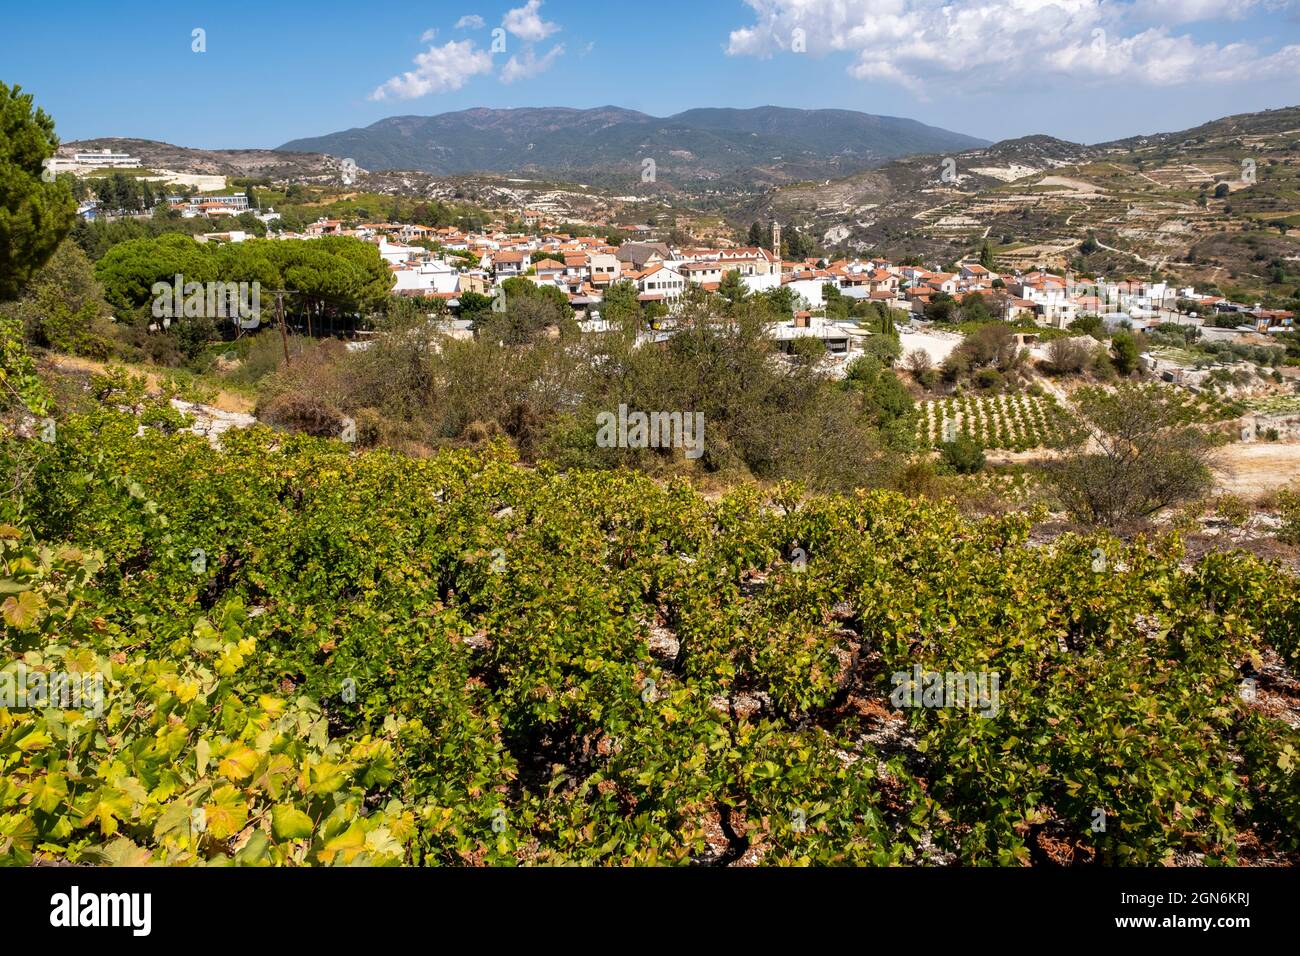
(767, 145)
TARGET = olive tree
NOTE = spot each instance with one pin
(1129, 454)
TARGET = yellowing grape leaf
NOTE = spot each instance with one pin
(175, 817)
(238, 763)
(273, 775)
(106, 806)
(325, 777)
(21, 610)
(226, 813)
(346, 846)
(290, 823)
(202, 752)
(122, 852)
(380, 840)
(35, 739)
(48, 792)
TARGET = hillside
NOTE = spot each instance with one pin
(771, 144)
(278, 165)
(1150, 201)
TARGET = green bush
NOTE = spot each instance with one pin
(1288, 504)
(965, 456)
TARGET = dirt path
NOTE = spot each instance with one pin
(225, 401)
(1125, 252)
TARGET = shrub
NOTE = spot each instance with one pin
(19, 383)
(1068, 356)
(1288, 506)
(1232, 509)
(1130, 454)
(301, 412)
(918, 362)
(964, 455)
(63, 308)
(887, 348)
(1125, 353)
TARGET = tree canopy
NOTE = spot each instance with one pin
(341, 273)
(35, 214)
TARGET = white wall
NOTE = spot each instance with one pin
(811, 290)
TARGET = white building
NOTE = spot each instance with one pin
(106, 159)
(661, 282)
(762, 283)
(810, 290)
(395, 255)
(435, 277)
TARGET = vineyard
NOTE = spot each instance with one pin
(318, 657)
(1012, 422)
(1024, 422)
(1206, 408)
(1275, 405)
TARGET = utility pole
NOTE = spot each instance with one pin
(279, 314)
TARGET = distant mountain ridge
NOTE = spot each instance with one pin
(770, 144)
(1215, 204)
(215, 162)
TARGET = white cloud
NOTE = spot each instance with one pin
(527, 24)
(471, 21)
(428, 35)
(1193, 11)
(531, 65)
(923, 44)
(439, 69)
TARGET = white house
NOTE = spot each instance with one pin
(395, 255)
(761, 283)
(810, 290)
(605, 268)
(661, 283)
(509, 263)
(703, 273)
(436, 277)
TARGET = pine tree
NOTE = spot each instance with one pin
(732, 288)
(35, 214)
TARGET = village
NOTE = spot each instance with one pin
(442, 264)
(829, 306)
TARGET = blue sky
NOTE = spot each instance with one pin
(1085, 70)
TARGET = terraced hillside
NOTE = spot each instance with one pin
(1213, 204)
